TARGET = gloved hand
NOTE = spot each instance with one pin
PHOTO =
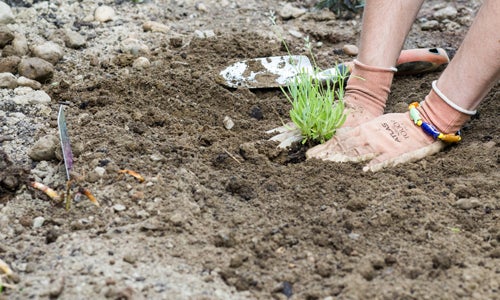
(388, 140)
(392, 139)
(366, 93)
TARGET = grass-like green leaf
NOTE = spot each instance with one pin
(317, 107)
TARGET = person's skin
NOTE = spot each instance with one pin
(467, 79)
(386, 24)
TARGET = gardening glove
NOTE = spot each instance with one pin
(365, 96)
(366, 93)
(393, 139)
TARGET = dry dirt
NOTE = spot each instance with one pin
(222, 213)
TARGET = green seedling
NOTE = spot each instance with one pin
(317, 107)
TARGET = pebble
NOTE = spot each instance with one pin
(20, 44)
(32, 97)
(6, 15)
(155, 27)
(36, 68)
(141, 63)
(6, 36)
(228, 123)
(134, 46)
(295, 33)
(73, 39)
(468, 203)
(8, 80)
(429, 25)
(38, 222)
(205, 34)
(351, 50)
(288, 11)
(23, 81)
(104, 13)
(119, 207)
(448, 12)
(100, 171)
(48, 51)
(9, 64)
(44, 148)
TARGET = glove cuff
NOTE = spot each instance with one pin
(439, 112)
(368, 87)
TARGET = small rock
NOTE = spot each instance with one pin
(100, 171)
(48, 51)
(141, 63)
(130, 258)
(8, 80)
(205, 34)
(104, 13)
(36, 68)
(119, 207)
(20, 45)
(6, 36)
(288, 11)
(468, 203)
(6, 15)
(178, 219)
(429, 25)
(32, 97)
(295, 33)
(9, 64)
(23, 81)
(228, 123)
(366, 270)
(73, 39)
(44, 148)
(448, 12)
(134, 47)
(38, 222)
(201, 7)
(155, 27)
(351, 50)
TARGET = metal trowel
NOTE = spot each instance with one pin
(276, 71)
(65, 144)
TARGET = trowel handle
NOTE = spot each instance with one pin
(417, 61)
(411, 61)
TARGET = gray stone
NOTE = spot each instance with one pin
(36, 68)
(9, 64)
(141, 63)
(351, 50)
(448, 12)
(38, 222)
(48, 51)
(288, 11)
(8, 80)
(119, 207)
(429, 25)
(44, 148)
(104, 13)
(6, 36)
(6, 15)
(468, 203)
(23, 81)
(74, 40)
(32, 97)
(20, 44)
(155, 27)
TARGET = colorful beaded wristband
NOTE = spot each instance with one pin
(429, 128)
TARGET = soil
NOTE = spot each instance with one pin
(224, 214)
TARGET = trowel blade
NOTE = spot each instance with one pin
(265, 72)
(65, 144)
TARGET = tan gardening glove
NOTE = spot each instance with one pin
(366, 93)
(392, 139)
